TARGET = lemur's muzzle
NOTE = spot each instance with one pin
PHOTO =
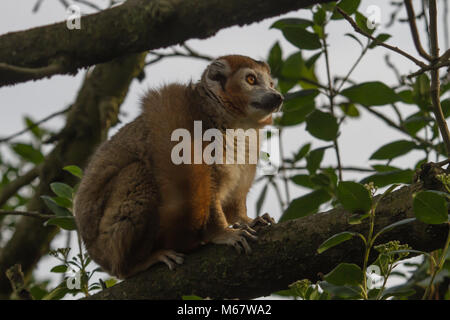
(269, 102)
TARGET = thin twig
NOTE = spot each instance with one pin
(37, 6)
(445, 23)
(428, 68)
(11, 189)
(176, 53)
(399, 128)
(7, 70)
(331, 95)
(344, 80)
(435, 81)
(379, 43)
(285, 178)
(394, 69)
(356, 169)
(31, 214)
(414, 32)
(89, 4)
(49, 117)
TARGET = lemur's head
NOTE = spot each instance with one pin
(244, 87)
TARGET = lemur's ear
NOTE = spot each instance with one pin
(218, 71)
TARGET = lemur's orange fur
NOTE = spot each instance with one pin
(135, 207)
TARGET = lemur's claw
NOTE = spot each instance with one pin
(263, 220)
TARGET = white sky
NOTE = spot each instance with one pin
(359, 138)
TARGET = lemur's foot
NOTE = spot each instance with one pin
(236, 238)
(169, 257)
(260, 221)
(263, 220)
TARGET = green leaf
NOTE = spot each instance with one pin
(191, 297)
(351, 35)
(62, 190)
(421, 92)
(384, 168)
(430, 207)
(34, 129)
(361, 21)
(383, 179)
(394, 225)
(354, 197)
(28, 152)
(415, 122)
(37, 292)
(66, 223)
(63, 202)
(302, 152)
(55, 208)
(314, 158)
(406, 96)
(393, 150)
(319, 16)
(322, 125)
(110, 282)
(371, 94)
(382, 37)
(303, 180)
(59, 269)
(260, 200)
(344, 292)
(345, 274)
(335, 240)
(445, 105)
(74, 170)
(301, 38)
(295, 71)
(297, 106)
(275, 59)
(289, 22)
(305, 205)
(349, 109)
(312, 60)
(349, 6)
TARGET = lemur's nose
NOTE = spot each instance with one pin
(274, 99)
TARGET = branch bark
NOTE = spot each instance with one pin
(95, 110)
(283, 253)
(133, 27)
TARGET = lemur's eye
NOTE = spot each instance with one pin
(251, 79)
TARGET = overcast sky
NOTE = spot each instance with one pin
(358, 140)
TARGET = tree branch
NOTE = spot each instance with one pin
(36, 215)
(17, 280)
(414, 31)
(51, 116)
(377, 42)
(95, 110)
(435, 82)
(133, 27)
(283, 253)
(11, 189)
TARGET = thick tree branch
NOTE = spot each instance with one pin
(92, 114)
(284, 253)
(133, 27)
